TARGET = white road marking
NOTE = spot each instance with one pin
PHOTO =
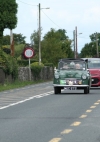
(30, 98)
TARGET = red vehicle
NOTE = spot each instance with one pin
(94, 69)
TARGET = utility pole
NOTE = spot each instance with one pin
(11, 43)
(39, 34)
(76, 41)
(74, 44)
(97, 45)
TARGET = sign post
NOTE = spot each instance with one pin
(29, 53)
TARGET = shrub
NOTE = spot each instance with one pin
(25, 62)
(49, 64)
(9, 64)
(36, 69)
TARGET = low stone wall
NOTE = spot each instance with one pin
(2, 76)
(45, 74)
(5, 78)
(25, 75)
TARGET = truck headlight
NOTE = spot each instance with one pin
(56, 76)
(84, 76)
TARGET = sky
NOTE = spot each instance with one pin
(62, 14)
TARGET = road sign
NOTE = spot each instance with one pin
(28, 52)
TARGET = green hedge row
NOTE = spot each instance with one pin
(25, 62)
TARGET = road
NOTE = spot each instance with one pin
(35, 114)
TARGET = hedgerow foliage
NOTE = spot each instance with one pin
(36, 69)
(9, 64)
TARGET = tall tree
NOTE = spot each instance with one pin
(94, 36)
(18, 39)
(56, 45)
(90, 49)
(35, 40)
(6, 40)
(8, 16)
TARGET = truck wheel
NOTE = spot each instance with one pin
(55, 90)
(86, 90)
(59, 90)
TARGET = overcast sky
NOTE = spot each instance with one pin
(63, 14)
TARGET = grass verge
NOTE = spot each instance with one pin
(19, 84)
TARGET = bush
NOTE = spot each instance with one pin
(49, 64)
(9, 64)
(36, 69)
(25, 62)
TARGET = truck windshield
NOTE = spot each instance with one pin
(73, 65)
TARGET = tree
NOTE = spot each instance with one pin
(7, 50)
(90, 49)
(8, 18)
(6, 40)
(93, 37)
(35, 40)
(18, 39)
(55, 45)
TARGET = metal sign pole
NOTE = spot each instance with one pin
(29, 53)
(29, 70)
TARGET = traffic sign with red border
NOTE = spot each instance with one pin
(28, 52)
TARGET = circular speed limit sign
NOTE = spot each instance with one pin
(29, 52)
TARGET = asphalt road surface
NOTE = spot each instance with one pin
(35, 114)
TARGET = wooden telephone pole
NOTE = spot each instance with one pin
(76, 41)
(11, 43)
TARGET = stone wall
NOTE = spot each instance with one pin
(2, 76)
(5, 78)
(24, 74)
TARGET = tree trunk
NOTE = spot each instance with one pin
(1, 38)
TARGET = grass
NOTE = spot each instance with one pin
(18, 84)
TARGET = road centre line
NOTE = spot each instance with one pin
(93, 107)
(96, 103)
(75, 124)
(30, 98)
(55, 140)
(66, 131)
(83, 116)
(46, 94)
(88, 110)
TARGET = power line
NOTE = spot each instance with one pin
(48, 17)
(54, 22)
(26, 3)
(42, 11)
(84, 37)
